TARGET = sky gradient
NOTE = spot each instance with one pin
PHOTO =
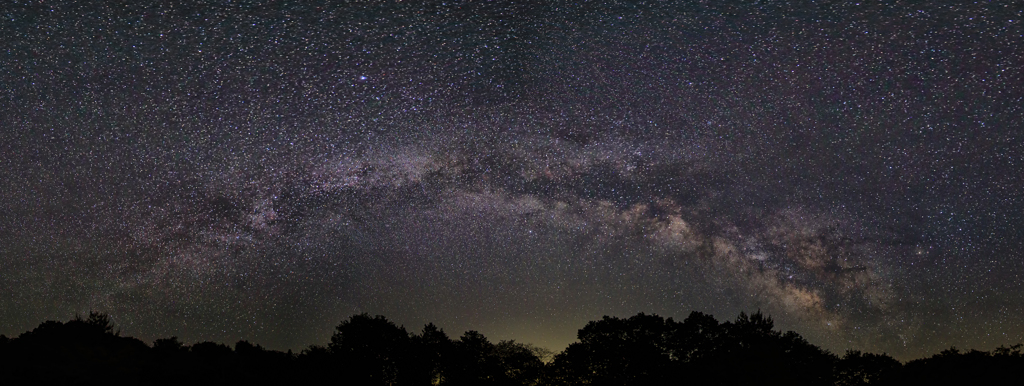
(263, 170)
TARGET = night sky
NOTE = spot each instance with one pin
(263, 170)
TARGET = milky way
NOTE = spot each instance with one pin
(262, 170)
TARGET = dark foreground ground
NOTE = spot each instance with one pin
(365, 350)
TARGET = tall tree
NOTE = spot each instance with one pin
(613, 351)
(373, 350)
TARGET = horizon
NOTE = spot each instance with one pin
(116, 330)
(494, 339)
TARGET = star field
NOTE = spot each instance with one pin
(262, 170)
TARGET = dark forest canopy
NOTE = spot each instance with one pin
(371, 350)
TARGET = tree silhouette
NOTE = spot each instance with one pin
(431, 348)
(953, 366)
(170, 346)
(647, 349)
(80, 351)
(474, 362)
(259, 365)
(520, 363)
(697, 337)
(857, 368)
(317, 365)
(639, 350)
(371, 349)
(750, 350)
(615, 351)
(211, 362)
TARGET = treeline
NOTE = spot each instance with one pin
(364, 350)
